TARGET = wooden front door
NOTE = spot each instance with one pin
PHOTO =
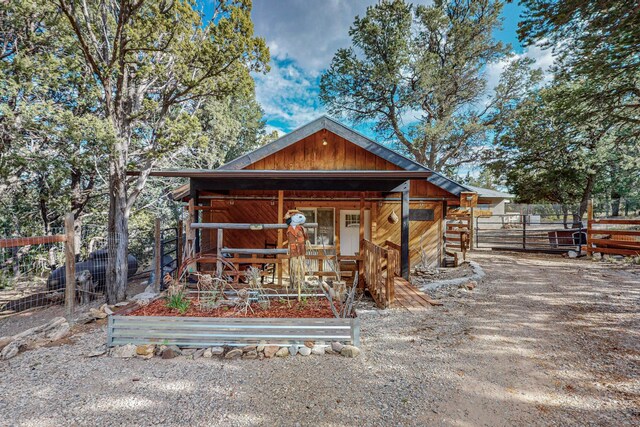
(350, 230)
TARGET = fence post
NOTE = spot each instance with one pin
(589, 225)
(179, 248)
(70, 267)
(524, 231)
(158, 256)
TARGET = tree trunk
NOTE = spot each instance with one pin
(584, 202)
(615, 204)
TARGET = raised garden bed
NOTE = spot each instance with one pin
(156, 324)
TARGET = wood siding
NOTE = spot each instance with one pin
(310, 154)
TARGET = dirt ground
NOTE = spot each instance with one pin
(541, 341)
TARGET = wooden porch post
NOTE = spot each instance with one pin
(280, 220)
(404, 232)
(361, 251)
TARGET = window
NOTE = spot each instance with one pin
(352, 220)
(324, 234)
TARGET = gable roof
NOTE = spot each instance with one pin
(487, 192)
(325, 122)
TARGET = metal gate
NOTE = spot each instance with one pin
(527, 232)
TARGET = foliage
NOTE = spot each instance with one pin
(419, 73)
(178, 301)
(556, 149)
(594, 39)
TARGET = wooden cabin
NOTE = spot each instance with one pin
(356, 190)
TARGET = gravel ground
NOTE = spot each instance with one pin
(541, 341)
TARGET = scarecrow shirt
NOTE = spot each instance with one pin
(297, 236)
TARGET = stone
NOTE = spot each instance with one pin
(217, 351)
(11, 350)
(232, 354)
(293, 350)
(188, 351)
(98, 351)
(98, 314)
(124, 351)
(283, 352)
(317, 350)
(350, 351)
(145, 351)
(270, 350)
(4, 341)
(248, 348)
(309, 344)
(106, 309)
(121, 304)
(261, 346)
(207, 354)
(199, 353)
(304, 351)
(329, 350)
(84, 318)
(253, 354)
(336, 346)
(58, 333)
(572, 254)
(171, 351)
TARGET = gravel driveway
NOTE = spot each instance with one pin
(541, 341)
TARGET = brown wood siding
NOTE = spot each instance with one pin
(425, 235)
(310, 154)
(422, 188)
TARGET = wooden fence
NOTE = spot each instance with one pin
(612, 236)
(69, 253)
(380, 267)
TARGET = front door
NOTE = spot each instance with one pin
(350, 231)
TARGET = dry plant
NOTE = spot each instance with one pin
(210, 291)
(341, 307)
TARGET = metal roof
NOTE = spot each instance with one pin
(447, 184)
(324, 122)
(491, 194)
(289, 174)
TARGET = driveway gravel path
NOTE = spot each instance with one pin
(541, 341)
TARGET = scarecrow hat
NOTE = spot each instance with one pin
(290, 213)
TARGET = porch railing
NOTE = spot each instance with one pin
(380, 268)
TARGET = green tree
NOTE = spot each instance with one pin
(152, 61)
(594, 39)
(555, 149)
(419, 73)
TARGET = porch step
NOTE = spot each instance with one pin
(411, 298)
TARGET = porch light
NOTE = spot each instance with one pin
(324, 141)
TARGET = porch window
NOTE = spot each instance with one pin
(324, 234)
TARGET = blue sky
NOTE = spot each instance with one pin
(303, 36)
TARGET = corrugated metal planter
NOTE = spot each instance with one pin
(200, 332)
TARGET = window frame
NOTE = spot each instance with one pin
(316, 234)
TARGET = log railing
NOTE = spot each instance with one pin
(380, 268)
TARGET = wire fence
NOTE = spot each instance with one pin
(34, 270)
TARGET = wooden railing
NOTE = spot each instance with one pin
(380, 268)
(458, 236)
(618, 237)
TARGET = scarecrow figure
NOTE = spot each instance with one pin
(297, 239)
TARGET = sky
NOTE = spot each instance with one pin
(303, 35)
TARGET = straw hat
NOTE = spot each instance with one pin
(291, 213)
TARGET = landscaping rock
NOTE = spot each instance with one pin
(304, 351)
(232, 354)
(309, 344)
(261, 346)
(293, 350)
(98, 314)
(171, 351)
(4, 341)
(84, 318)
(207, 353)
(248, 348)
(98, 351)
(337, 346)
(145, 351)
(217, 351)
(124, 351)
(188, 351)
(318, 350)
(253, 354)
(283, 352)
(11, 350)
(270, 350)
(106, 309)
(58, 333)
(350, 351)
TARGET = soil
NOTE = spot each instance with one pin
(310, 308)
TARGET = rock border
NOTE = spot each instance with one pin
(478, 274)
(250, 352)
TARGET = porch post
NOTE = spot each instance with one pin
(280, 220)
(404, 232)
